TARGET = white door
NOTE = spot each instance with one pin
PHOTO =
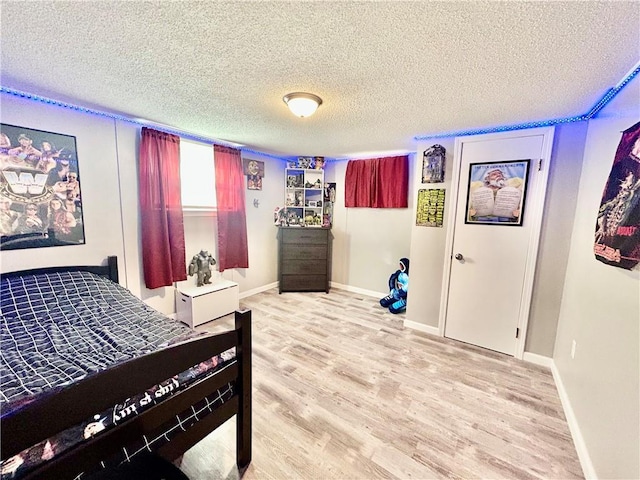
(492, 260)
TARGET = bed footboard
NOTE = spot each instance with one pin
(244, 420)
(37, 421)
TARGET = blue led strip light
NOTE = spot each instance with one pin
(115, 116)
(256, 152)
(57, 103)
(612, 92)
(504, 128)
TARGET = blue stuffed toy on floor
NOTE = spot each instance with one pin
(396, 301)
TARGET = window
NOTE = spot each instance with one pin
(197, 176)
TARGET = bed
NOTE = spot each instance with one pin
(91, 376)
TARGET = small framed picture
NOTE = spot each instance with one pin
(433, 160)
(253, 167)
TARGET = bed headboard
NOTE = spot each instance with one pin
(110, 270)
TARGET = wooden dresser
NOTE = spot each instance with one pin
(304, 259)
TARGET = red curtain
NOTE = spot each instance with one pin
(232, 220)
(163, 252)
(377, 183)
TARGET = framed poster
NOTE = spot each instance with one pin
(40, 193)
(254, 170)
(430, 211)
(328, 200)
(496, 192)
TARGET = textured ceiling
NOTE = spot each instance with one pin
(387, 71)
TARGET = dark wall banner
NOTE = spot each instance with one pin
(617, 240)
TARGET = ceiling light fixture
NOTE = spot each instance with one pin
(302, 104)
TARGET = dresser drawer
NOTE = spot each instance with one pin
(292, 283)
(318, 252)
(304, 259)
(303, 266)
(304, 236)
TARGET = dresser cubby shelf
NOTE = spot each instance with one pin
(304, 196)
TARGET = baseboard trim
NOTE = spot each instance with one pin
(421, 327)
(538, 359)
(361, 291)
(578, 440)
(255, 291)
(574, 428)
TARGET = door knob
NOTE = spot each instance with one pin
(459, 257)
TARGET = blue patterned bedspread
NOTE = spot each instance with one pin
(57, 328)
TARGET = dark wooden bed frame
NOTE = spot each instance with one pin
(73, 405)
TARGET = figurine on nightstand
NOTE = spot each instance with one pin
(201, 267)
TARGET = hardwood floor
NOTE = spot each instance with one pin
(341, 390)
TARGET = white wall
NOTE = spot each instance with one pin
(555, 236)
(428, 246)
(600, 310)
(367, 242)
(261, 231)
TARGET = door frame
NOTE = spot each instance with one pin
(535, 206)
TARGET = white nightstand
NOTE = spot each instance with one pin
(198, 305)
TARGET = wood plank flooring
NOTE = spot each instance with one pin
(341, 390)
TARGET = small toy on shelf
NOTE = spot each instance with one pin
(280, 217)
